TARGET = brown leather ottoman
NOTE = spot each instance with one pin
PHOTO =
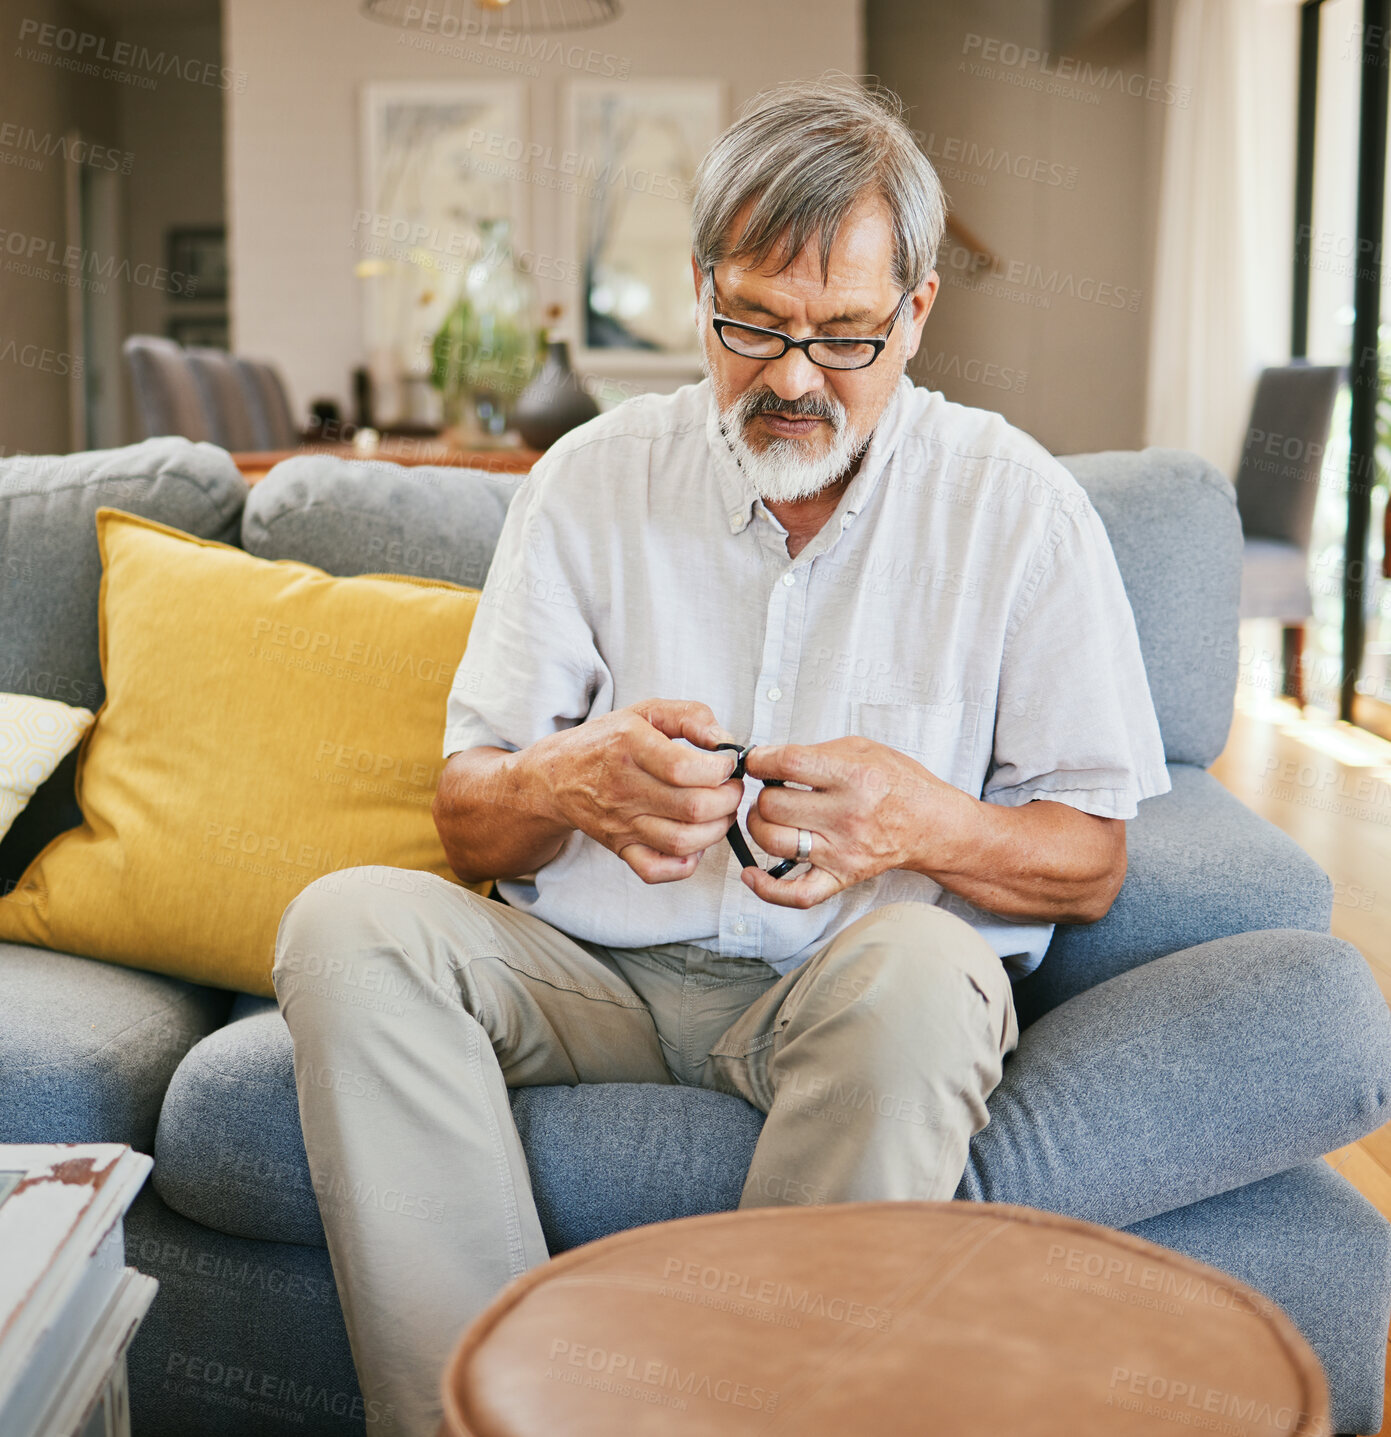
(880, 1318)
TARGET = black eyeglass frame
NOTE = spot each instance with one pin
(719, 322)
(737, 841)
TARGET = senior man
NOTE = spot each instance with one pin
(904, 621)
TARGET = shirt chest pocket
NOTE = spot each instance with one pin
(941, 737)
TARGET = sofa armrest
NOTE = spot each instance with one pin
(87, 1048)
(1201, 866)
(1188, 1076)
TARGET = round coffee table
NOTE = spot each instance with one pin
(881, 1318)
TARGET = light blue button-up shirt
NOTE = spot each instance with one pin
(962, 605)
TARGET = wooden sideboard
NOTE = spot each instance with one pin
(255, 465)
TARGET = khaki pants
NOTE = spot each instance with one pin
(414, 1005)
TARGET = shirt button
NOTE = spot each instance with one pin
(775, 694)
(789, 579)
(738, 925)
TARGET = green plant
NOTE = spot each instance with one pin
(482, 353)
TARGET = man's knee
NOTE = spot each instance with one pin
(908, 946)
(909, 964)
(352, 892)
(351, 929)
(918, 925)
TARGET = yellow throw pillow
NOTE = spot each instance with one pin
(264, 723)
(36, 735)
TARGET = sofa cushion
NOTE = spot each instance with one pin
(86, 1049)
(1188, 1076)
(229, 1153)
(1132, 1056)
(50, 572)
(1200, 865)
(1310, 1242)
(244, 1339)
(367, 517)
(608, 1157)
(265, 724)
(1173, 525)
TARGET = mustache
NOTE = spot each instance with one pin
(807, 406)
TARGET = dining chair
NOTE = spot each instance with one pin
(271, 410)
(1277, 488)
(224, 399)
(168, 399)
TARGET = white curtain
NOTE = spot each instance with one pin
(1224, 228)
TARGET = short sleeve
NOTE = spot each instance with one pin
(1074, 720)
(531, 666)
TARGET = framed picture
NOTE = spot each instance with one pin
(199, 331)
(638, 145)
(439, 160)
(201, 254)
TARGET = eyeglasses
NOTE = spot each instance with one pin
(750, 341)
(736, 838)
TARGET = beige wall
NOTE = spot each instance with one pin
(34, 340)
(293, 153)
(1335, 185)
(175, 133)
(1024, 340)
(161, 165)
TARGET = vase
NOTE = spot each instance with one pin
(554, 402)
(485, 352)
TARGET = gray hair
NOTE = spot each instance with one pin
(804, 153)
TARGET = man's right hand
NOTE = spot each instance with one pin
(622, 780)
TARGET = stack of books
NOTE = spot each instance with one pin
(69, 1305)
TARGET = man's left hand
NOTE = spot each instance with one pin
(869, 809)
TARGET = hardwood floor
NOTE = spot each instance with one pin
(1328, 786)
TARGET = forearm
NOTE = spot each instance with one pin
(621, 779)
(493, 816)
(1043, 860)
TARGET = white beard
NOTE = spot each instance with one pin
(781, 472)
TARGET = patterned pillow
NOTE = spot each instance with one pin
(36, 735)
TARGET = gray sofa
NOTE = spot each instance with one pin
(1183, 1063)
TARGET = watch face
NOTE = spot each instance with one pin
(9, 1181)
